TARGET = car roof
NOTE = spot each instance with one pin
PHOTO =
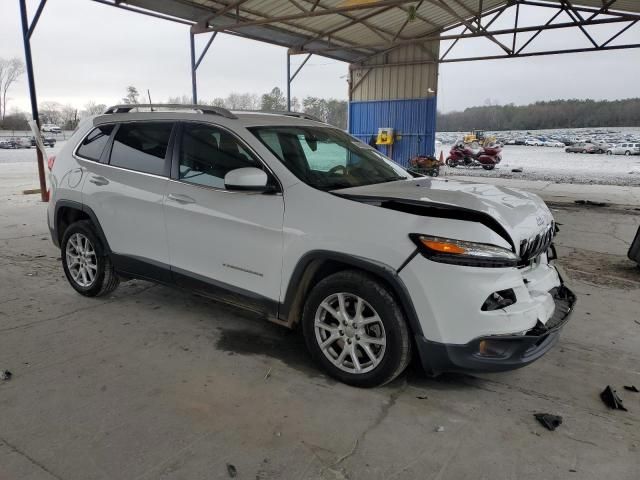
(225, 117)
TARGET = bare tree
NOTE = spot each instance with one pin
(132, 95)
(92, 108)
(10, 71)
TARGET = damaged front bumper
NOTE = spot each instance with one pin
(496, 353)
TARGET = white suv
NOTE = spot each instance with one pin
(625, 149)
(307, 226)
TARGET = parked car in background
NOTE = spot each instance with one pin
(624, 149)
(48, 141)
(6, 143)
(21, 142)
(534, 142)
(584, 148)
(554, 143)
(51, 128)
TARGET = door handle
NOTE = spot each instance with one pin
(98, 180)
(184, 199)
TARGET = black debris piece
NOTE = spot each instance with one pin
(5, 375)
(611, 399)
(549, 421)
(631, 388)
(516, 170)
(422, 397)
(232, 471)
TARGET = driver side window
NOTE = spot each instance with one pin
(208, 153)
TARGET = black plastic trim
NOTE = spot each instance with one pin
(634, 249)
(137, 267)
(387, 273)
(82, 208)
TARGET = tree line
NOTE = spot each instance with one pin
(67, 117)
(539, 115)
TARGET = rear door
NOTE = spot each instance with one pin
(125, 189)
(228, 243)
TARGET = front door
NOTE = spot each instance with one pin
(226, 242)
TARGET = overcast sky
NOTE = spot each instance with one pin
(86, 51)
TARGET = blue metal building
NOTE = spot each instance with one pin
(397, 91)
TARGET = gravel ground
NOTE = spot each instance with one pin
(555, 165)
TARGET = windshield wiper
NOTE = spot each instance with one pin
(391, 179)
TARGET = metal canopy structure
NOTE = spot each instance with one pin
(355, 31)
(373, 34)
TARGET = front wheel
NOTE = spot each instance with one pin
(451, 162)
(488, 167)
(355, 330)
(88, 270)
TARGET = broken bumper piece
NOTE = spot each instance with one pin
(499, 352)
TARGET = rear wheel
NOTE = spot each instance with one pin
(451, 162)
(355, 330)
(87, 268)
(488, 167)
(627, 153)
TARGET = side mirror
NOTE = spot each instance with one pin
(250, 179)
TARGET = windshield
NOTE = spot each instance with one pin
(327, 158)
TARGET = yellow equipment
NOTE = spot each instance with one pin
(385, 136)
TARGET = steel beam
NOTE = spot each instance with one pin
(194, 82)
(24, 20)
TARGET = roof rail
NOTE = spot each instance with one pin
(306, 116)
(223, 112)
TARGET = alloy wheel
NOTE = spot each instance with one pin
(350, 333)
(82, 261)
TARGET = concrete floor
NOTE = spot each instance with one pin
(156, 383)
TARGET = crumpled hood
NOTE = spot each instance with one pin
(520, 213)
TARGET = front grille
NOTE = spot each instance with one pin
(534, 246)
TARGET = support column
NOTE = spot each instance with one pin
(288, 82)
(32, 91)
(194, 82)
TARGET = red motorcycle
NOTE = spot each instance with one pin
(464, 155)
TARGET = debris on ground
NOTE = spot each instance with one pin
(611, 399)
(548, 421)
(5, 375)
(268, 374)
(422, 397)
(232, 471)
(631, 388)
(516, 170)
(590, 202)
(440, 429)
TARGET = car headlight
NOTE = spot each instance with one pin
(460, 252)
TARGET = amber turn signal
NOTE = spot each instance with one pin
(444, 247)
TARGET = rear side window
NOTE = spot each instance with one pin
(142, 147)
(93, 144)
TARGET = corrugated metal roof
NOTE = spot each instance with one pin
(347, 30)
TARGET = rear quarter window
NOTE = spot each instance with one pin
(142, 147)
(93, 144)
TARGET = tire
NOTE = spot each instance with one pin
(79, 239)
(627, 153)
(451, 163)
(488, 167)
(384, 361)
(609, 152)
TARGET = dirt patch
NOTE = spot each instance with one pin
(603, 269)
